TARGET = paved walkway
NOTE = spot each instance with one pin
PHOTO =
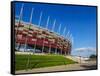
(83, 66)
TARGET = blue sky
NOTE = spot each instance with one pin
(79, 20)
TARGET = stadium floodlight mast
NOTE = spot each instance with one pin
(69, 41)
(28, 61)
(59, 31)
(19, 21)
(67, 37)
(59, 34)
(37, 32)
(52, 31)
(20, 17)
(44, 36)
(53, 27)
(64, 36)
(66, 45)
(72, 42)
(64, 32)
(67, 34)
(58, 38)
(70, 38)
(28, 29)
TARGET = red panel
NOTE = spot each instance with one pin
(40, 43)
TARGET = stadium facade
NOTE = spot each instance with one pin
(41, 40)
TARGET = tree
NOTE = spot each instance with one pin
(93, 56)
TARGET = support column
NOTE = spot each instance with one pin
(55, 50)
(25, 43)
(25, 47)
(50, 49)
(43, 47)
(19, 45)
(34, 48)
(61, 51)
(65, 52)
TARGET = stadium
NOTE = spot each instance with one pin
(40, 40)
(34, 38)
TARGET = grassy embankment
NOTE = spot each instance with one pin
(23, 62)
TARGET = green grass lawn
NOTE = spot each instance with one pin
(36, 61)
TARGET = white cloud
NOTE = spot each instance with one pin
(85, 49)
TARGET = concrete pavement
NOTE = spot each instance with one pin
(83, 66)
